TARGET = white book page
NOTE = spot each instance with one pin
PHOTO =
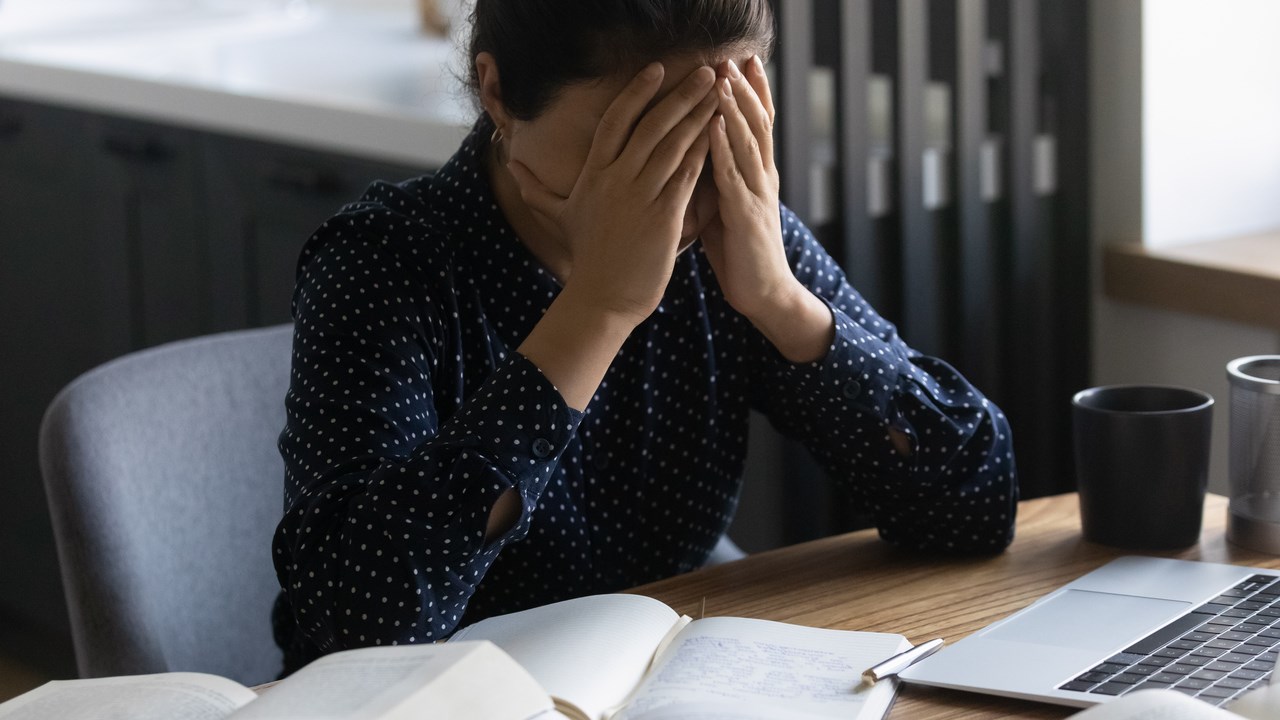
(1155, 705)
(410, 681)
(168, 696)
(1260, 704)
(589, 651)
(736, 667)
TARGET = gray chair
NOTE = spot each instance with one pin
(163, 481)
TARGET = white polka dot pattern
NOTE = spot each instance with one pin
(409, 413)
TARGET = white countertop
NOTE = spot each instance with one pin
(358, 79)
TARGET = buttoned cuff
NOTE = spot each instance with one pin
(520, 422)
(860, 370)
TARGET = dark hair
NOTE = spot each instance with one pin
(543, 45)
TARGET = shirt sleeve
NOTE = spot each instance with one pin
(957, 489)
(387, 494)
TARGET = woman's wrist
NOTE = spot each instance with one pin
(574, 344)
(798, 324)
(608, 314)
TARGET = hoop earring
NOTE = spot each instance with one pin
(497, 137)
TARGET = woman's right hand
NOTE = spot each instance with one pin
(622, 220)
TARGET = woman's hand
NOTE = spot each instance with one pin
(623, 217)
(744, 244)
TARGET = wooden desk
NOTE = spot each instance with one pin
(858, 582)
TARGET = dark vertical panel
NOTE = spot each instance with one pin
(883, 144)
(862, 253)
(823, 219)
(151, 185)
(1067, 83)
(795, 64)
(809, 498)
(923, 276)
(977, 269)
(1000, 225)
(63, 291)
(1031, 285)
(939, 176)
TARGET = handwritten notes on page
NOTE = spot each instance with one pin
(758, 668)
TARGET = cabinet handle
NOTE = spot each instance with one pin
(10, 126)
(148, 151)
(306, 181)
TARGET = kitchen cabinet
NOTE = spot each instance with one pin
(147, 206)
(115, 235)
(62, 296)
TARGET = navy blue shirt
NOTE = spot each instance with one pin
(410, 412)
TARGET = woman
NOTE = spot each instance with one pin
(528, 377)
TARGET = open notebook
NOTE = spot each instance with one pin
(631, 657)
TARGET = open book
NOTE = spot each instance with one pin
(629, 657)
(462, 680)
(624, 657)
(1261, 704)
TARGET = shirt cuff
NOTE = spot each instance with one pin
(859, 370)
(520, 422)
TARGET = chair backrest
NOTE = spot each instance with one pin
(164, 486)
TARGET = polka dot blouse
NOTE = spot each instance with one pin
(409, 413)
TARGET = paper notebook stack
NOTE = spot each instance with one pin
(606, 657)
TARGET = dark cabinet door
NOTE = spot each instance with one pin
(147, 203)
(64, 311)
(264, 201)
(101, 253)
(115, 235)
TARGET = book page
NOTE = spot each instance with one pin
(1155, 705)
(168, 696)
(736, 667)
(410, 681)
(589, 651)
(1260, 704)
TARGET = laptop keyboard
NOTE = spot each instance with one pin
(1216, 652)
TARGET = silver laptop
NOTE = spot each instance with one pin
(1204, 629)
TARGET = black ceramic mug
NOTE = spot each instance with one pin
(1142, 464)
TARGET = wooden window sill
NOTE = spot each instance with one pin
(1236, 279)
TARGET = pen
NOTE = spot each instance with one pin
(901, 661)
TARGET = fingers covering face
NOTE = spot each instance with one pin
(533, 192)
(684, 180)
(664, 121)
(651, 141)
(747, 129)
(760, 83)
(670, 153)
(615, 126)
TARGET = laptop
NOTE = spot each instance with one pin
(1204, 629)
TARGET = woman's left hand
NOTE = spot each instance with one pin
(744, 243)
